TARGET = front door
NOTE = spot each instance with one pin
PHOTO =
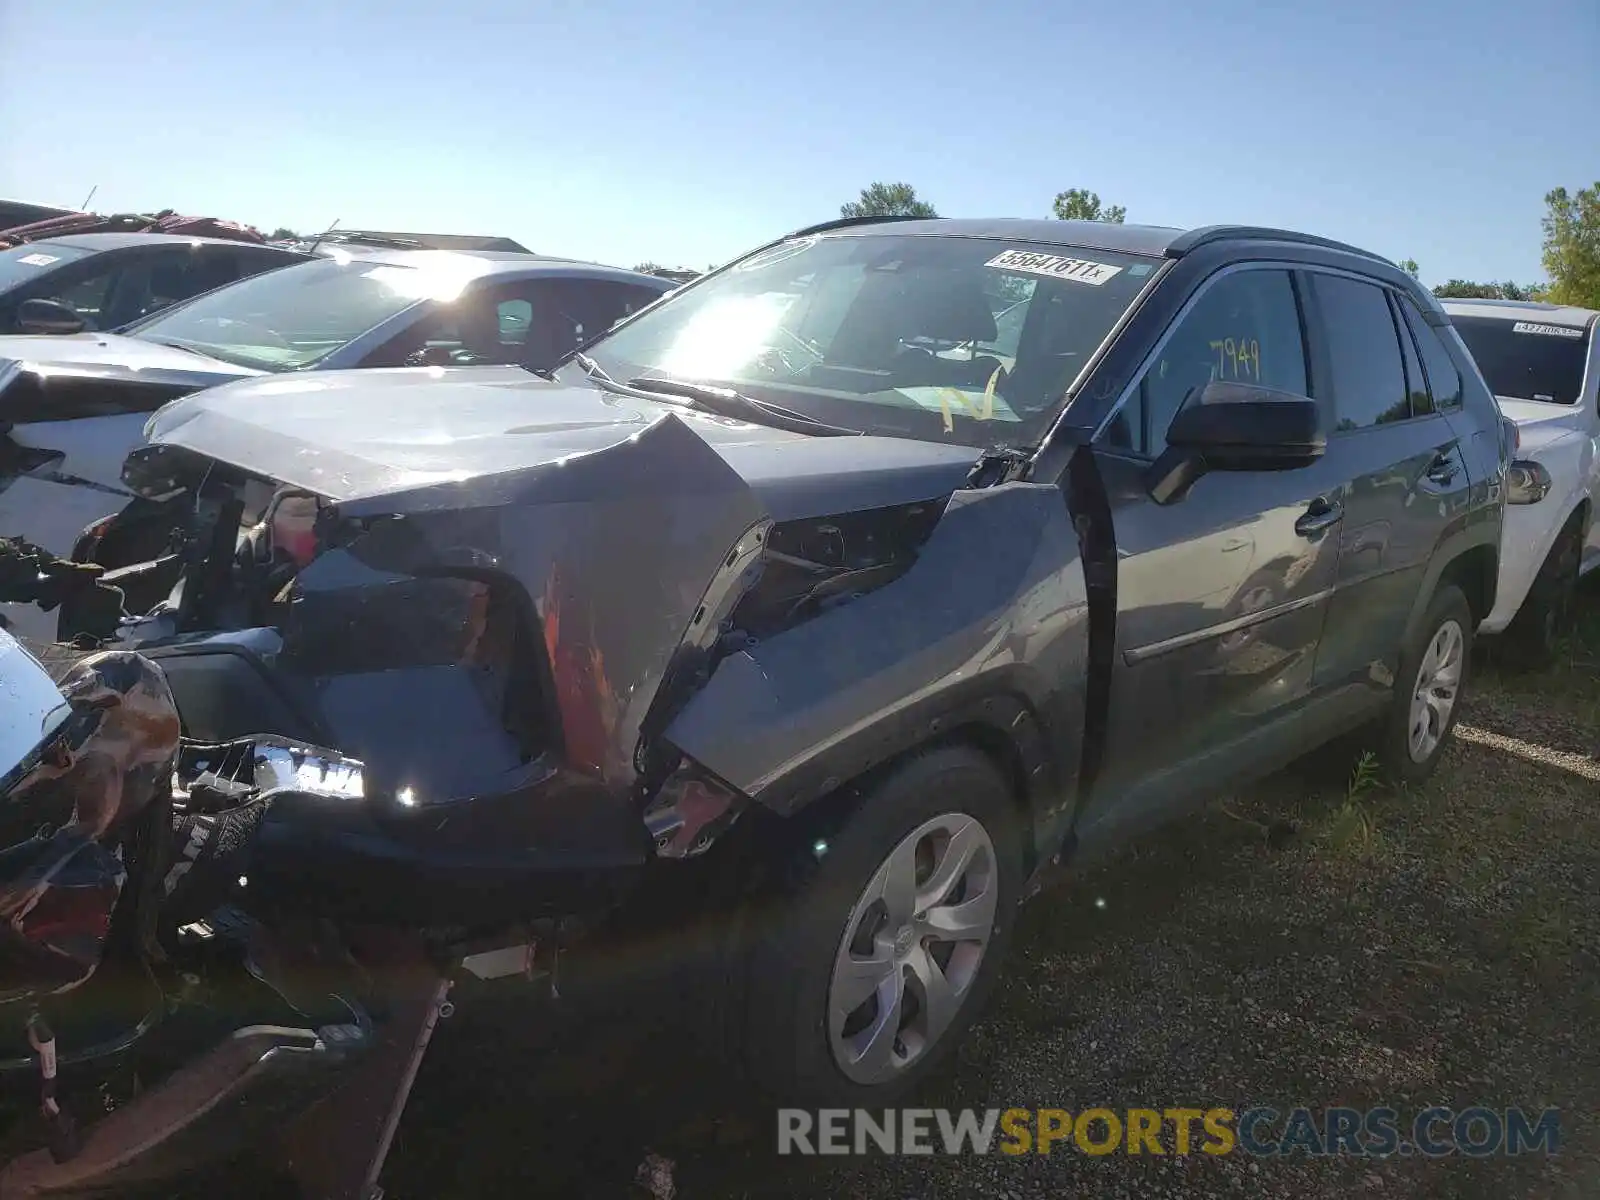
(1221, 596)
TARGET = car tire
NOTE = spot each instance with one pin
(1430, 688)
(830, 928)
(1534, 635)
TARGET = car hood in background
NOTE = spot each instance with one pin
(45, 378)
(418, 438)
(1539, 424)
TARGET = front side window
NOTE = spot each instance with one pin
(88, 295)
(1243, 328)
(1528, 359)
(162, 280)
(1363, 345)
(971, 340)
(31, 262)
(287, 319)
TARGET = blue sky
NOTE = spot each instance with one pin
(686, 132)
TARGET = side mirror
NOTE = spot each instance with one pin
(47, 316)
(1236, 427)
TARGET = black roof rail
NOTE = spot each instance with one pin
(1206, 234)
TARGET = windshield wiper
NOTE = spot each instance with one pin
(726, 402)
(174, 344)
(591, 368)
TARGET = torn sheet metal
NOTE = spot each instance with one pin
(995, 603)
(613, 548)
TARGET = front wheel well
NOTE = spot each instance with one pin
(829, 812)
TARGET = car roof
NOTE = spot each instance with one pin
(491, 263)
(1156, 241)
(117, 241)
(1521, 310)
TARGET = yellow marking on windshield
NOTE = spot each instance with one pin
(944, 409)
(961, 399)
(988, 395)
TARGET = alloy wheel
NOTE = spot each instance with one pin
(1437, 687)
(912, 948)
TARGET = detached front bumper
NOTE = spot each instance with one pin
(237, 1095)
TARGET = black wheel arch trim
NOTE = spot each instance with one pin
(992, 712)
(1452, 549)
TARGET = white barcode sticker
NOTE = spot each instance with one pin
(1054, 266)
(1546, 330)
(38, 260)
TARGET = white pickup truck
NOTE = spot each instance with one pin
(1542, 361)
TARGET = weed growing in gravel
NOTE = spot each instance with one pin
(1355, 826)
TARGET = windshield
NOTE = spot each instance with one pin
(1526, 360)
(289, 318)
(960, 339)
(27, 262)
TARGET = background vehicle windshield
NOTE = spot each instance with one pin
(963, 339)
(1526, 364)
(27, 262)
(290, 318)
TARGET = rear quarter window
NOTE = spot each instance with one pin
(1444, 377)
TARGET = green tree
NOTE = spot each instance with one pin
(1465, 289)
(1462, 289)
(284, 234)
(888, 200)
(1510, 290)
(647, 268)
(1572, 245)
(1409, 266)
(1080, 204)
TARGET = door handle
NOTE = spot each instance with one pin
(1323, 514)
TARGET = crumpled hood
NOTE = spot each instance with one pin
(1540, 424)
(397, 433)
(108, 355)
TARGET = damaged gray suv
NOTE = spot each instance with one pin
(841, 592)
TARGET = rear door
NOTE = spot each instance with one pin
(1403, 466)
(1221, 596)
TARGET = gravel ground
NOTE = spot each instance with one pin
(1436, 947)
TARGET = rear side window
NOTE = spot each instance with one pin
(1368, 376)
(1444, 377)
(1245, 328)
